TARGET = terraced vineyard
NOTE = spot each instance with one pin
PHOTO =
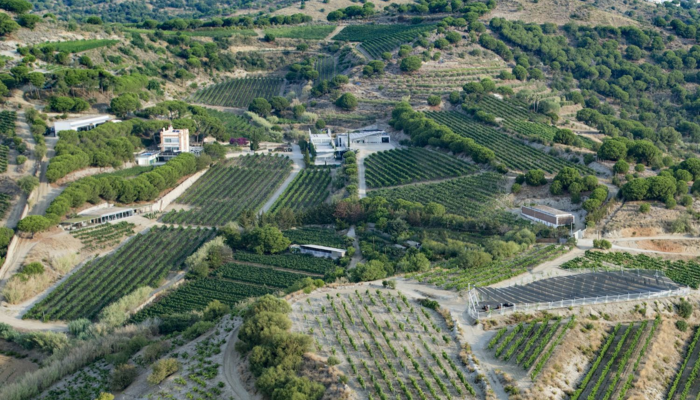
(143, 261)
(288, 261)
(469, 196)
(497, 271)
(377, 39)
(613, 370)
(308, 32)
(530, 344)
(680, 271)
(400, 167)
(512, 152)
(99, 236)
(267, 277)
(76, 46)
(5, 204)
(239, 92)
(195, 295)
(319, 236)
(225, 191)
(325, 67)
(686, 384)
(389, 346)
(4, 153)
(8, 121)
(309, 188)
(237, 126)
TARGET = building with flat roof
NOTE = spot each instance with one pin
(318, 251)
(97, 216)
(174, 140)
(548, 215)
(147, 158)
(370, 136)
(79, 124)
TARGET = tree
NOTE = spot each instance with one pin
(565, 136)
(621, 167)
(279, 103)
(267, 239)
(260, 106)
(635, 189)
(125, 104)
(122, 376)
(612, 150)
(347, 102)
(28, 183)
(302, 47)
(7, 25)
(535, 177)
(33, 224)
(28, 20)
(417, 262)
(434, 100)
(411, 64)
(16, 6)
(269, 37)
(370, 271)
(298, 110)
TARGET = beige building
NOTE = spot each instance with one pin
(548, 215)
(175, 140)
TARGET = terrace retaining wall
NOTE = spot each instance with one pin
(165, 201)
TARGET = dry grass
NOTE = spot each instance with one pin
(18, 290)
(559, 12)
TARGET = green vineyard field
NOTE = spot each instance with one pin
(239, 92)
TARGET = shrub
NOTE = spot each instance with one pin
(686, 200)
(602, 244)
(347, 102)
(682, 325)
(122, 376)
(434, 100)
(685, 309)
(639, 167)
(197, 329)
(332, 360)
(644, 208)
(154, 350)
(163, 369)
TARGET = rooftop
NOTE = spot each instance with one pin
(317, 247)
(106, 211)
(548, 210)
(85, 119)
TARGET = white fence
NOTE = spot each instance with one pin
(530, 307)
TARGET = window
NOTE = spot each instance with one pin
(171, 140)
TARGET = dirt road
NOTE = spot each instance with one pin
(297, 167)
(232, 361)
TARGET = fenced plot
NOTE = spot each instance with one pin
(309, 188)
(400, 167)
(143, 261)
(511, 151)
(469, 196)
(680, 271)
(579, 286)
(389, 346)
(239, 92)
(225, 191)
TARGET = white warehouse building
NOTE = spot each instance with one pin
(80, 124)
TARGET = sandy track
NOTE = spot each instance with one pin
(233, 361)
(297, 167)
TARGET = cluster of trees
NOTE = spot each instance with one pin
(352, 12)
(106, 145)
(247, 22)
(593, 56)
(641, 151)
(667, 187)
(144, 187)
(275, 354)
(374, 68)
(569, 180)
(64, 104)
(265, 239)
(472, 11)
(326, 86)
(425, 131)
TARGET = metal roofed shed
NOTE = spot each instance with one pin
(100, 216)
(80, 124)
(548, 215)
(318, 251)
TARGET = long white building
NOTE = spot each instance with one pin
(80, 124)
